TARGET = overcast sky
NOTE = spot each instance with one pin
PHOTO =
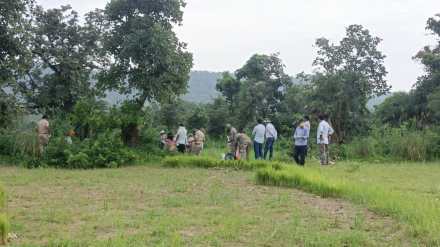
(223, 34)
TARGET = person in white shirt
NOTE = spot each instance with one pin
(258, 133)
(271, 136)
(323, 136)
(181, 138)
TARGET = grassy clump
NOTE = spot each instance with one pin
(206, 162)
(297, 177)
(3, 219)
(420, 213)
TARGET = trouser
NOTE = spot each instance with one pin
(244, 151)
(300, 155)
(268, 148)
(43, 140)
(258, 149)
(181, 148)
(324, 154)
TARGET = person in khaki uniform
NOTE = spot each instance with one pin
(43, 131)
(199, 140)
(244, 143)
(232, 138)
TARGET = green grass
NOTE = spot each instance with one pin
(155, 206)
(399, 191)
(3, 218)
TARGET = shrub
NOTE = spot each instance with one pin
(106, 151)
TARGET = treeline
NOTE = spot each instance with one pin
(57, 63)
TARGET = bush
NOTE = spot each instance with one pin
(4, 225)
(395, 144)
(106, 151)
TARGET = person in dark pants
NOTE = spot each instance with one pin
(181, 138)
(258, 134)
(301, 138)
(271, 135)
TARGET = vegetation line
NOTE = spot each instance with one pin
(3, 218)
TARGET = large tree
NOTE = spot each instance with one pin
(64, 56)
(264, 85)
(350, 73)
(430, 82)
(148, 62)
(14, 55)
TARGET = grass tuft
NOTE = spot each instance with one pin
(3, 219)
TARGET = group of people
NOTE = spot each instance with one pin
(182, 142)
(265, 135)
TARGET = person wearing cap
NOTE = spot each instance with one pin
(301, 138)
(163, 139)
(271, 136)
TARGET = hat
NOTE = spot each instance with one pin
(267, 120)
(162, 132)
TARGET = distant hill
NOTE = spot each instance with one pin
(377, 101)
(202, 86)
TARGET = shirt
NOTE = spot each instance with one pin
(271, 132)
(301, 136)
(43, 127)
(324, 131)
(181, 136)
(258, 133)
(232, 136)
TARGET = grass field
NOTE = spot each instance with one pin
(155, 206)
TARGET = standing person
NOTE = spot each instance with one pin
(232, 138)
(43, 131)
(181, 138)
(307, 124)
(323, 135)
(258, 134)
(199, 139)
(301, 138)
(271, 136)
(244, 143)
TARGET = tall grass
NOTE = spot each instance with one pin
(3, 219)
(207, 162)
(421, 214)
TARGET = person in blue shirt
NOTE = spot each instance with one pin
(301, 138)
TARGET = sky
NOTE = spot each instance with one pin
(224, 34)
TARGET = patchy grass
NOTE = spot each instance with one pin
(153, 206)
(399, 191)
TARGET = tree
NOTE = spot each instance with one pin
(396, 109)
(148, 61)
(64, 54)
(14, 55)
(350, 74)
(229, 87)
(263, 86)
(430, 82)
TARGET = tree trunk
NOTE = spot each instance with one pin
(131, 135)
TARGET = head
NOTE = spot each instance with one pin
(181, 125)
(228, 127)
(45, 117)
(241, 130)
(260, 121)
(162, 132)
(321, 117)
(306, 118)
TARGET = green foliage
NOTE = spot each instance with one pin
(402, 143)
(147, 58)
(106, 151)
(64, 52)
(396, 109)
